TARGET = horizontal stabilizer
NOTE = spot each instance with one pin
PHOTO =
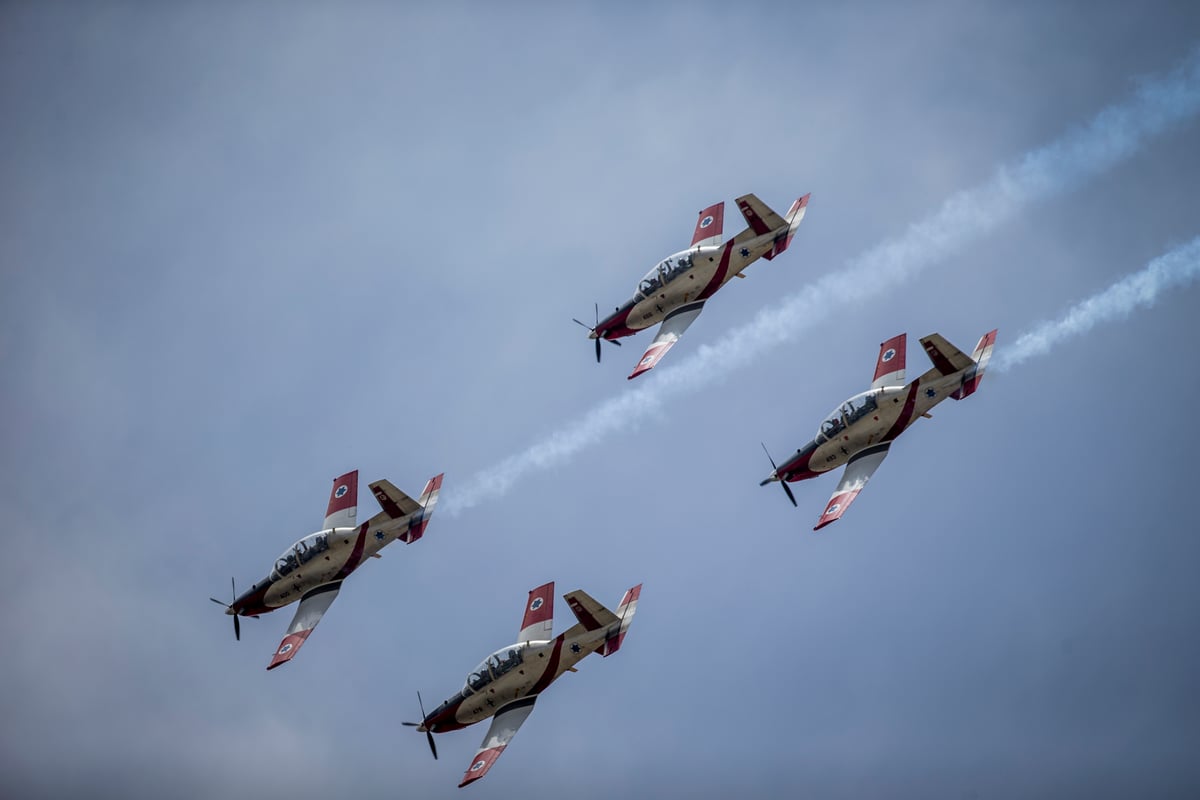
(395, 503)
(591, 615)
(759, 215)
(946, 358)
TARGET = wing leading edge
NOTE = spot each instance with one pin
(668, 334)
(312, 607)
(858, 471)
(504, 726)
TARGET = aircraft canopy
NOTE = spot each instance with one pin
(847, 414)
(663, 273)
(492, 667)
(300, 554)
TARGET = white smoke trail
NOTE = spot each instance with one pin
(1113, 135)
(1141, 289)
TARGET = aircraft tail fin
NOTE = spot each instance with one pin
(427, 501)
(762, 220)
(593, 616)
(709, 226)
(794, 216)
(625, 612)
(981, 357)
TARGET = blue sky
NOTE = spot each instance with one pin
(245, 249)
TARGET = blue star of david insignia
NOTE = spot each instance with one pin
(745, 253)
(575, 648)
(379, 535)
(490, 702)
(930, 393)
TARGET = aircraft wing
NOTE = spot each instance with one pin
(668, 334)
(342, 510)
(858, 471)
(889, 367)
(313, 606)
(504, 726)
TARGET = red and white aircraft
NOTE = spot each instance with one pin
(508, 682)
(675, 290)
(859, 432)
(312, 569)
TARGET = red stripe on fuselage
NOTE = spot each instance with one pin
(355, 555)
(551, 667)
(718, 278)
(905, 417)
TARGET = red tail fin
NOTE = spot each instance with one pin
(343, 501)
(427, 501)
(981, 357)
(794, 216)
(710, 225)
(625, 612)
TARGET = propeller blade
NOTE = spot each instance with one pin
(768, 452)
(428, 733)
(786, 489)
(221, 603)
(237, 628)
(597, 349)
(584, 324)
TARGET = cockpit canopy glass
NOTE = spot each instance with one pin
(301, 553)
(498, 663)
(847, 414)
(663, 273)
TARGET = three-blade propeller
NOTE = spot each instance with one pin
(786, 489)
(428, 733)
(592, 328)
(237, 628)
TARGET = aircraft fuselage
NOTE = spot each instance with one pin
(540, 664)
(317, 559)
(845, 434)
(679, 283)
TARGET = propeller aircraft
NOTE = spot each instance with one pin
(675, 290)
(509, 681)
(312, 570)
(859, 432)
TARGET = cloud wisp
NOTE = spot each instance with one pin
(1138, 290)
(1112, 136)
